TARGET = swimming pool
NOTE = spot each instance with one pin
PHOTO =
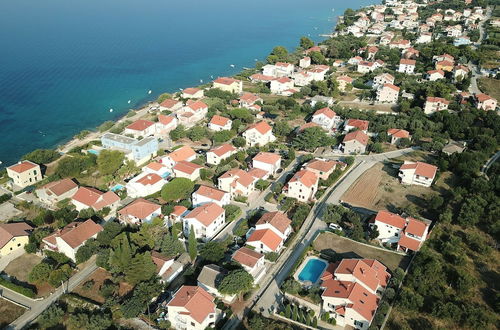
(117, 187)
(93, 151)
(312, 270)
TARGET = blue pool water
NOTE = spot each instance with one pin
(312, 270)
(93, 151)
(117, 187)
(65, 64)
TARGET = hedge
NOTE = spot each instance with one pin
(17, 288)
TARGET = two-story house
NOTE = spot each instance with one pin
(206, 220)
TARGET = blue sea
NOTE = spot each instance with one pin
(64, 64)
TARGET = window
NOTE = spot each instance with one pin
(192, 324)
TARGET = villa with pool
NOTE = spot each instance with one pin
(352, 288)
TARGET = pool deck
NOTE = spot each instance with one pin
(304, 263)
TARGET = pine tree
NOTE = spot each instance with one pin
(141, 268)
(192, 244)
(315, 322)
(121, 256)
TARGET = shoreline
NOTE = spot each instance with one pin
(71, 142)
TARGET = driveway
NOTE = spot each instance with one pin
(8, 211)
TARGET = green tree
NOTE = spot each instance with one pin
(236, 282)
(141, 268)
(262, 184)
(111, 230)
(109, 161)
(243, 114)
(239, 142)
(197, 133)
(40, 273)
(178, 188)
(59, 275)
(178, 133)
(121, 256)
(317, 58)
(42, 156)
(213, 251)
(223, 136)
(163, 97)
(312, 138)
(282, 128)
(171, 246)
(279, 54)
(51, 317)
(288, 311)
(306, 43)
(232, 212)
(192, 244)
(94, 320)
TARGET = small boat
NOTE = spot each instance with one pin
(256, 60)
(231, 65)
(110, 110)
(201, 80)
(150, 91)
(129, 101)
(212, 77)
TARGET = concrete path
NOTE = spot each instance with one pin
(4, 261)
(39, 306)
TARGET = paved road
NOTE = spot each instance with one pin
(473, 88)
(17, 297)
(265, 299)
(39, 306)
(489, 163)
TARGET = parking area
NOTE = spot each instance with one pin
(8, 211)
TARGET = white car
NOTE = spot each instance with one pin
(334, 226)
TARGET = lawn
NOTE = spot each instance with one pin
(490, 86)
(21, 267)
(9, 312)
(329, 242)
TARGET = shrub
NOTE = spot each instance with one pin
(17, 288)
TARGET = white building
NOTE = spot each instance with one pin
(251, 261)
(435, 104)
(87, 197)
(188, 170)
(388, 93)
(185, 153)
(56, 191)
(229, 85)
(69, 239)
(302, 186)
(406, 66)
(268, 162)
(141, 128)
(219, 123)
(259, 134)
(139, 212)
(206, 194)
(417, 173)
(192, 93)
(216, 155)
(144, 184)
(24, 173)
(281, 85)
(355, 142)
(270, 232)
(192, 308)
(206, 220)
(326, 118)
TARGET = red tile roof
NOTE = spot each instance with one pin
(219, 120)
(197, 106)
(276, 219)
(198, 302)
(210, 192)
(421, 169)
(267, 157)
(399, 133)
(206, 213)
(140, 125)
(249, 98)
(155, 166)
(262, 127)
(325, 111)
(23, 166)
(391, 219)
(266, 236)
(358, 123)
(416, 227)
(359, 136)
(407, 61)
(409, 243)
(159, 260)
(346, 79)
(170, 103)
(140, 208)
(483, 97)
(60, 187)
(191, 90)
(76, 233)
(321, 165)
(247, 257)
(149, 179)
(437, 100)
(183, 153)
(165, 120)
(94, 198)
(226, 81)
(306, 177)
(11, 230)
(391, 86)
(223, 149)
(186, 167)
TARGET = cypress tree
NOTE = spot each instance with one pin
(288, 311)
(192, 244)
(295, 314)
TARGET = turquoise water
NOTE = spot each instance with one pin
(312, 270)
(94, 152)
(117, 187)
(64, 64)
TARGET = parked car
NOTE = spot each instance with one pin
(334, 226)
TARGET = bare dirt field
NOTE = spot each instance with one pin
(9, 312)
(368, 106)
(329, 243)
(379, 189)
(21, 267)
(99, 276)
